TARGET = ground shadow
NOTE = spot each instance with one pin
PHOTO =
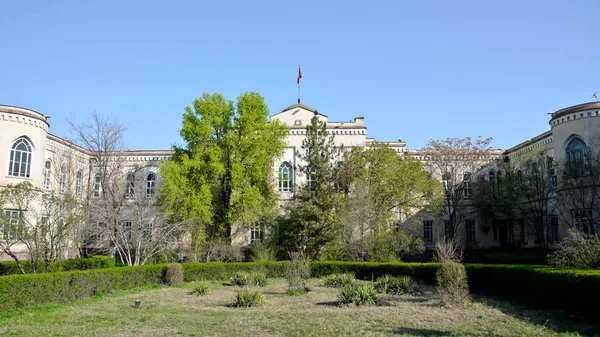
(555, 320)
(423, 332)
(329, 303)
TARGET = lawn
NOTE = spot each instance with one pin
(169, 311)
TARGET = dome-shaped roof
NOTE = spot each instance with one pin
(576, 108)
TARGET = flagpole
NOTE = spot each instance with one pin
(299, 76)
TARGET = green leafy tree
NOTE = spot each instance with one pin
(220, 181)
(384, 191)
(313, 220)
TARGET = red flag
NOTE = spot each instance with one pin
(299, 75)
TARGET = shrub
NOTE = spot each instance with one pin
(18, 291)
(200, 289)
(240, 278)
(396, 285)
(339, 280)
(249, 298)
(448, 251)
(358, 294)
(452, 284)
(298, 272)
(263, 252)
(224, 271)
(506, 258)
(580, 251)
(259, 279)
(173, 274)
(220, 251)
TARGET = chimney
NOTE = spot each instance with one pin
(359, 121)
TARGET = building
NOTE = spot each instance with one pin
(29, 152)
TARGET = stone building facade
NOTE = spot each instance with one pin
(29, 152)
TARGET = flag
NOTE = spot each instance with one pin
(299, 75)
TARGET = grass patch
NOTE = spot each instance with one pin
(169, 311)
(295, 292)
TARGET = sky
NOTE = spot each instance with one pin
(415, 70)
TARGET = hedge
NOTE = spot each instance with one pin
(195, 271)
(94, 262)
(506, 258)
(30, 289)
(425, 272)
(538, 286)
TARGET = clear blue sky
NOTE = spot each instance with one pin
(414, 69)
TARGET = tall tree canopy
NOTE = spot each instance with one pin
(221, 179)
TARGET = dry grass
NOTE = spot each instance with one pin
(173, 311)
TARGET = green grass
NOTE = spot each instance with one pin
(168, 311)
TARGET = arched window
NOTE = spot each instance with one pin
(97, 185)
(492, 176)
(20, 158)
(310, 177)
(150, 184)
(79, 184)
(46, 182)
(129, 187)
(576, 152)
(63, 179)
(285, 177)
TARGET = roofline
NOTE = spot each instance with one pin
(40, 116)
(529, 141)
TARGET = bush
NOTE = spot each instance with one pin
(424, 272)
(249, 298)
(94, 262)
(262, 252)
(259, 279)
(221, 251)
(240, 278)
(396, 285)
(579, 251)
(298, 272)
(200, 289)
(339, 280)
(452, 284)
(506, 258)
(358, 294)
(173, 274)
(18, 291)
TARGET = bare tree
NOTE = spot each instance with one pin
(124, 217)
(456, 161)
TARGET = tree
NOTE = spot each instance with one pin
(123, 215)
(220, 182)
(46, 224)
(312, 219)
(455, 161)
(385, 190)
(523, 195)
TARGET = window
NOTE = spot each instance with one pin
(63, 181)
(471, 231)
(125, 231)
(12, 224)
(492, 176)
(129, 191)
(97, 185)
(428, 231)
(93, 234)
(285, 177)
(46, 181)
(467, 186)
(446, 181)
(20, 159)
(150, 184)
(552, 229)
(79, 184)
(146, 231)
(310, 177)
(582, 219)
(576, 152)
(256, 233)
(552, 174)
(448, 230)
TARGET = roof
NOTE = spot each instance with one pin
(300, 105)
(576, 108)
(24, 112)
